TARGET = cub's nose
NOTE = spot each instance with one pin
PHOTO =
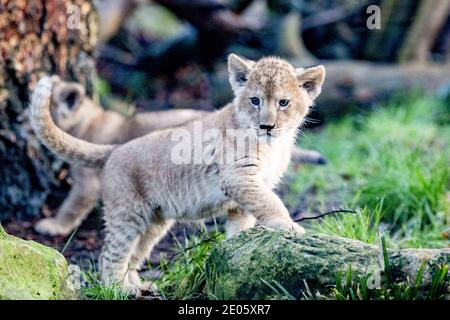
(267, 126)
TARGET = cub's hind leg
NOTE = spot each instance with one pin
(154, 233)
(238, 221)
(124, 226)
(79, 203)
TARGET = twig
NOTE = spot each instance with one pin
(202, 242)
(325, 214)
(213, 238)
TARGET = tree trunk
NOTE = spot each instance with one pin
(428, 22)
(36, 38)
(383, 44)
(245, 266)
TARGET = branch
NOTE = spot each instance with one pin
(325, 214)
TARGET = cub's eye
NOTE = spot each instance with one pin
(284, 103)
(255, 101)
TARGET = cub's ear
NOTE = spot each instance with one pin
(68, 94)
(239, 69)
(311, 79)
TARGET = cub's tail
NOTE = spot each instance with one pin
(63, 144)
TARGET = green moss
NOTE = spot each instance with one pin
(183, 275)
(2, 232)
(29, 270)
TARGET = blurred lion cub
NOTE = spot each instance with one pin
(144, 190)
(78, 115)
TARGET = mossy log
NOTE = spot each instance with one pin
(36, 38)
(29, 270)
(243, 266)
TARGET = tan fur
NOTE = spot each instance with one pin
(78, 115)
(144, 191)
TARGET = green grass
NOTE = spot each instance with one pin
(363, 226)
(184, 274)
(392, 163)
(94, 289)
(355, 287)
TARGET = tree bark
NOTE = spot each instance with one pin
(36, 38)
(383, 44)
(428, 22)
(241, 267)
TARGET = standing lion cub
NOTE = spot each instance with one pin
(78, 115)
(145, 186)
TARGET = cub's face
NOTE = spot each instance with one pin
(272, 96)
(68, 100)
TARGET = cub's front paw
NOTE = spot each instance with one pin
(134, 278)
(285, 225)
(52, 227)
(131, 289)
(138, 289)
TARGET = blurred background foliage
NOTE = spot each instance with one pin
(172, 53)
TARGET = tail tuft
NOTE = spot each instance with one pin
(307, 156)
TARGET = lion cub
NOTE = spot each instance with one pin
(147, 185)
(78, 115)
